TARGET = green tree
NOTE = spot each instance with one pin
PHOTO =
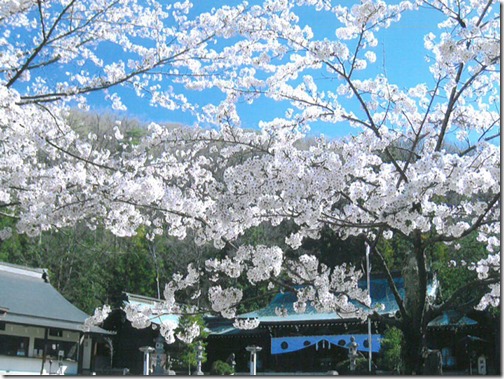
(391, 350)
(450, 264)
(189, 352)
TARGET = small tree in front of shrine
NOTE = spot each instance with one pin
(189, 353)
(391, 350)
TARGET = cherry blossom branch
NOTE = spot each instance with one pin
(103, 85)
(454, 95)
(487, 139)
(461, 292)
(39, 48)
(473, 227)
(41, 16)
(69, 153)
(374, 128)
(12, 204)
(418, 133)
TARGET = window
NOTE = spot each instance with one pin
(14, 345)
(56, 332)
(57, 349)
(2, 325)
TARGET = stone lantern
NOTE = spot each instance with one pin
(158, 370)
(253, 357)
(199, 358)
(352, 353)
(232, 361)
(147, 350)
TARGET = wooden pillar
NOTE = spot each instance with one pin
(94, 348)
(44, 354)
(80, 354)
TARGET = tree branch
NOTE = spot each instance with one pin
(390, 280)
(473, 227)
(460, 292)
(42, 44)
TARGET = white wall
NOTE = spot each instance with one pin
(87, 345)
(36, 332)
(33, 364)
(27, 366)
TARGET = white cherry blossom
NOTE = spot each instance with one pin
(422, 162)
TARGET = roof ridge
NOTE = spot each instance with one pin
(131, 296)
(22, 270)
(48, 318)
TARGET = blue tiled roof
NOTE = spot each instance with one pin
(451, 318)
(150, 302)
(380, 294)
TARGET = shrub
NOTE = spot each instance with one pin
(221, 368)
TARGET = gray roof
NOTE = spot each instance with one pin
(30, 300)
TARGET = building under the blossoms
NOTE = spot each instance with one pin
(318, 342)
(309, 342)
(128, 340)
(302, 342)
(40, 331)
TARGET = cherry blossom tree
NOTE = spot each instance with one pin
(394, 176)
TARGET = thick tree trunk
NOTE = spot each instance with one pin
(412, 347)
(415, 276)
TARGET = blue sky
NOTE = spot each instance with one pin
(400, 51)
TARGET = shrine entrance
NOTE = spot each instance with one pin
(316, 353)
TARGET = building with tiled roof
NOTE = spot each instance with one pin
(41, 331)
(311, 341)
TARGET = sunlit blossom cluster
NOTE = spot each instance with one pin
(485, 267)
(246, 324)
(100, 315)
(189, 333)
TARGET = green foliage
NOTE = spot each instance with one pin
(395, 251)
(391, 350)
(189, 351)
(385, 247)
(88, 267)
(11, 249)
(133, 267)
(452, 278)
(76, 266)
(221, 368)
(103, 124)
(333, 250)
